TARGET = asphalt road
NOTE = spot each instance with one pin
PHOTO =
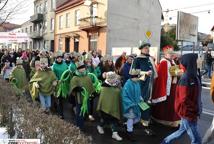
(161, 131)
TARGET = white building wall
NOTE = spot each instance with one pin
(128, 21)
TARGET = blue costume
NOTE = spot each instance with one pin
(131, 97)
(145, 63)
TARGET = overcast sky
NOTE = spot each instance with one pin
(200, 9)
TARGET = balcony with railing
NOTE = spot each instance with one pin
(92, 23)
(36, 18)
(36, 35)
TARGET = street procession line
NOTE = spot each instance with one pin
(208, 112)
(207, 88)
(207, 83)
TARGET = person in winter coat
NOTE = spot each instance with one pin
(59, 67)
(131, 98)
(109, 104)
(126, 69)
(188, 101)
(43, 84)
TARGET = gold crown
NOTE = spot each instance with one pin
(134, 72)
(111, 75)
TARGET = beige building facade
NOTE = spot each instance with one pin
(81, 27)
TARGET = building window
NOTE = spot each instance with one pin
(93, 42)
(60, 21)
(46, 44)
(37, 9)
(77, 17)
(45, 26)
(31, 29)
(60, 44)
(52, 25)
(40, 8)
(53, 4)
(94, 10)
(46, 6)
(68, 20)
(26, 30)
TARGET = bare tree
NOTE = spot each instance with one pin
(9, 9)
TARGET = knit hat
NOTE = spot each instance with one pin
(44, 61)
(19, 61)
(58, 54)
(112, 78)
(134, 72)
(80, 65)
(88, 56)
(37, 62)
(76, 54)
(109, 57)
(143, 45)
(24, 55)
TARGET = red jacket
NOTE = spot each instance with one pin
(187, 99)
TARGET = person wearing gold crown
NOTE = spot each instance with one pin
(43, 84)
(163, 96)
(145, 64)
(131, 98)
(109, 104)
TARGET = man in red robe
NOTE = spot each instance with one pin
(163, 96)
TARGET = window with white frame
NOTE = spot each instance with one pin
(93, 42)
(60, 22)
(77, 17)
(52, 25)
(68, 20)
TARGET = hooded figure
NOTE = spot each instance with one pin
(188, 101)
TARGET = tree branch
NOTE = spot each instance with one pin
(4, 5)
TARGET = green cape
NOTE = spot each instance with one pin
(18, 76)
(109, 101)
(45, 80)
